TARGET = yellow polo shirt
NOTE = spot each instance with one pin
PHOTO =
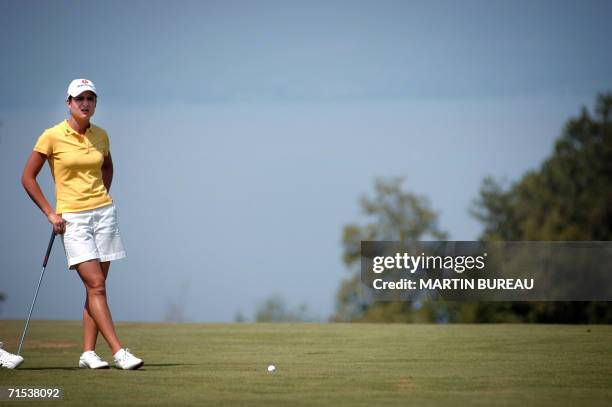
(76, 165)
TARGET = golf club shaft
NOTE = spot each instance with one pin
(46, 259)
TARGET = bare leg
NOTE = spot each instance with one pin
(90, 329)
(95, 284)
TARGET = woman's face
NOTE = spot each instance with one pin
(82, 107)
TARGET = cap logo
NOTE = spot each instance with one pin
(85, 81)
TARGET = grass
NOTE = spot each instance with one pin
(324, 364)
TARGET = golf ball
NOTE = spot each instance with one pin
(271, 368)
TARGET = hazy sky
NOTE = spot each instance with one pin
(243, 133)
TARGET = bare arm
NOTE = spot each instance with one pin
(107, 171)
(28, 180)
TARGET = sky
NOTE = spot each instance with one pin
(244, 133)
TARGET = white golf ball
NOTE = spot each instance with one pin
(271, 368)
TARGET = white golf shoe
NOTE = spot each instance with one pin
(126, 361)
(91, 360)
(9, 360)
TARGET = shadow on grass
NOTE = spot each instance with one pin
(168, 364)
(49, 368)
(77, 368)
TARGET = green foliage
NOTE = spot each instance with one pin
(568, 198)
(350, 302)
(275, 309)
(494, 210)
(392, 214)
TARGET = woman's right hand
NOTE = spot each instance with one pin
(59, 224)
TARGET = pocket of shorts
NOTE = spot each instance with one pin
(73, 223)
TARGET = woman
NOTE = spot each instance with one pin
(85, 216)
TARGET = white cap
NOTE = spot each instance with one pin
(79, 86)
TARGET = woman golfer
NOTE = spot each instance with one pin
(80, 160)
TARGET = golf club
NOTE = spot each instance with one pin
(44, 265)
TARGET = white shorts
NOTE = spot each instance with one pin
(92, 234)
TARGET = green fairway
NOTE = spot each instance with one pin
(324, 364)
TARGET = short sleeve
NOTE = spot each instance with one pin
(45, 143)
(106, 145)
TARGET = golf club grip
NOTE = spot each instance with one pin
(49, 248)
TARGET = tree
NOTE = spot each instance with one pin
(568, 198)
(393, 214)
(275, 309)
